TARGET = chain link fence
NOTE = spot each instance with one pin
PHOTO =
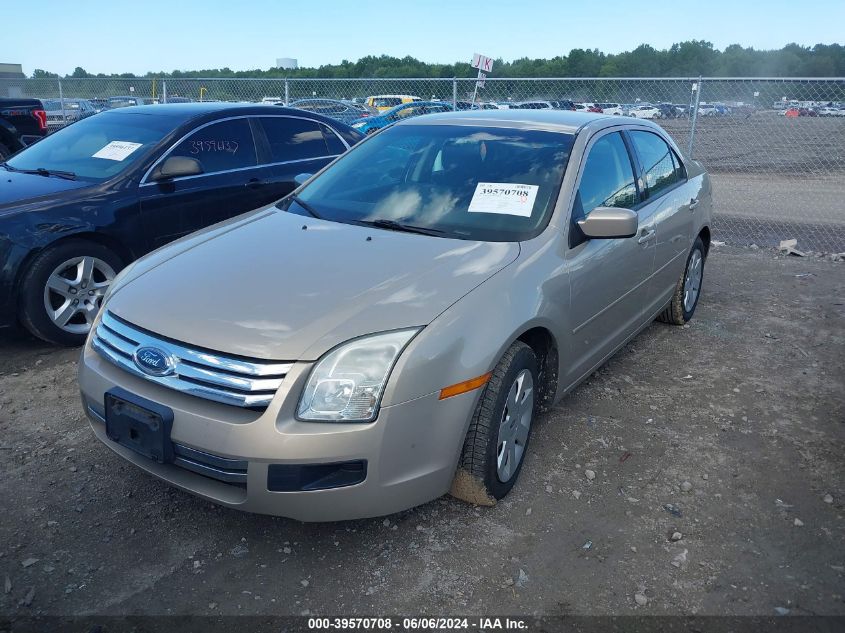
(775, 148)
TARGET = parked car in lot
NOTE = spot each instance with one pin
(99, 104)
(22, 122)
(62, 112)
(343, 111)
(391, 329)
(385, 102)
(130, 100)
(370, 125)
(82, 203)
(645, 112)
(564, 104)
(831, 111)
(533, 105)
(707, 109)
(610, 108)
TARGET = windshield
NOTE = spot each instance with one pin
(475, 183)
(95, 148)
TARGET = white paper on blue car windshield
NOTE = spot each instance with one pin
(505, 198)
(117, 150)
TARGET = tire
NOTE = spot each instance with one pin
(481, 478)
(682, 306)
(5, 151)
(77, 270)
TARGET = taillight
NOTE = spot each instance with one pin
(41, 115)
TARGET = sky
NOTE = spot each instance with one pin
(116, 36)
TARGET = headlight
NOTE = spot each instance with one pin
(346, 385)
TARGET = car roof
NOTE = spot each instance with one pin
(555, 120)
(181, 112)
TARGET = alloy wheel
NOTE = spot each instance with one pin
(692, 280)
(515, 425)
(74, 293)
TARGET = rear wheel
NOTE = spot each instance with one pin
(63, 289)
(495, 445)
(688, 288)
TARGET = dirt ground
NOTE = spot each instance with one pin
(728, 432)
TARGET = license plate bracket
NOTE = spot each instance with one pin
(139, 424)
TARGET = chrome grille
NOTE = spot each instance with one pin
(197, 372)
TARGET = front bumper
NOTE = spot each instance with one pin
(411, 450)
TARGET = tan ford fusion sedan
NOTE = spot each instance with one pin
(390, 331)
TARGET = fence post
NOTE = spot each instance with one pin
(454, 93)
(163, 91)
(287, 92)
(62, 101)
(694, 118)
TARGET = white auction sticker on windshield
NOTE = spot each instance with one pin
(503, 197)
(117, 150)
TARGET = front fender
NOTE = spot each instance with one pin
(469, 338)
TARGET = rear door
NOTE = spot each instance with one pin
(289, 146)
(229, 185)
(610, 279)
(667, 199)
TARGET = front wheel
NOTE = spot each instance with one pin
(63, 289)
(688, 288)
(495, 445)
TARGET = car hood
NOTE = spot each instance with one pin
(268, 287)
(17, 189)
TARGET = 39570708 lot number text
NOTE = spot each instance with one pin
(417, 624)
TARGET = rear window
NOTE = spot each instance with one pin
(55, 104)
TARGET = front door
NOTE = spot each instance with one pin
(229, 185)
(609, 278)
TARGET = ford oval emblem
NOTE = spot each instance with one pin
(154, 361)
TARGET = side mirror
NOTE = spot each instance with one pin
(609, 223)
(301, 179)
(176, 167)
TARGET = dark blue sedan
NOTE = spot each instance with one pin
(82, 203)
(372, 124)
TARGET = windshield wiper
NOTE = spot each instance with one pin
(393, 225)
(311, 211)
(67, 175)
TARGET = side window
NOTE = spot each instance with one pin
(334, 144)
(293, 139)
(220, 146)
(659, 163)
(608, 178)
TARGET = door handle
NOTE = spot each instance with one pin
(646, 236)
(693, 204)
(255, 183)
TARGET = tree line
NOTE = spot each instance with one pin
(685, 59)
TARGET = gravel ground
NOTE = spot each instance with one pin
(717, 451)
